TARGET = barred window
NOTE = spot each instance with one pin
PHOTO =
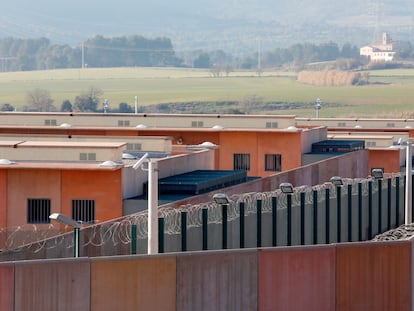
(50, 122)
(83, 210)
(271, 125)
(197, 123)
(241, 161)
(83, 156)
(273, 162)
(123, 123)
(134, 147)
(38, 211)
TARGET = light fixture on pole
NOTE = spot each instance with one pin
(221, 198)
(286, 187)
(318, 106)
(377, 173)
(337, 181)
(65, 220)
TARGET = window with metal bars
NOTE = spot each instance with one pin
(241, 161)
(87, 156)
(83, 210)
(273, 162)
(38, 211)
(134, 147)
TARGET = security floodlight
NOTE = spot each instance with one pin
(286, 187)
(65, 220)
(140, 161)
(337, 181)
(377, 173)
(221, 198)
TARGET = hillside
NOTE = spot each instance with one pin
(232, 25)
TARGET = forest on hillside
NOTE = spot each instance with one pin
(138, 51)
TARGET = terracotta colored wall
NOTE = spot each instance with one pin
(105, 187)
(388, 159)
(217, 281)
(133, 283)
(351, 276)
(297, 278)
(62, 285)
(257, 144)
(6, 287)
(374, 276)
(24, 184)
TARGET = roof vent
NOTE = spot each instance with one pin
(208, 145)
(65, 125)
(218, 127)
(128, 156)
(141, 126)
(292, 128)
(109, 164)
(6, 162)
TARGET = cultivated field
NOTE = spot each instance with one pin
(389, 94)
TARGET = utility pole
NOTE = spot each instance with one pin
(83, 55)
(259, 55)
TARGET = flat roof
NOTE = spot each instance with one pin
(73, 144)
(46, 165)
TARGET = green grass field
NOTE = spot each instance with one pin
(391, 93)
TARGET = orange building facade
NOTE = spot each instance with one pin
(30, 193)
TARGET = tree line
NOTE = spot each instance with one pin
(129, 51)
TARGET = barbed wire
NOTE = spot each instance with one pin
(403, 232)
(118, 232)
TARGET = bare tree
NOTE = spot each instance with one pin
(39, 100)
(249, 102)
(88, 101)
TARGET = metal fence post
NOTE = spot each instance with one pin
(327, 216)
(349, 212)
(302, 218)
(359, 211)
(133, 239)
(397, 201)
(160, 235)
(289, 219)
(274, 221)
(338, 214)
(242, 225)
(379, 205)
(369, 210)
(183, 231)
(204, 228)
(259, 223)
(315, 217)
(224, 225)
(389, 204)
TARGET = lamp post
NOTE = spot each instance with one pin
(287, 188)
(65, 220)
(318, 106)
(223, 200)
(152, 201)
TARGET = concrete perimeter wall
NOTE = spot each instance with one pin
(351, 276)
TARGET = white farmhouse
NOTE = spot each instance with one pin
(379, 52)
